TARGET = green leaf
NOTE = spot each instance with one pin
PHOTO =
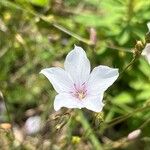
(124, 37)
(122, 98)
(139, 85)
(144, 95)
(41, 3)
(144, 67)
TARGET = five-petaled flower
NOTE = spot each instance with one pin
(146, 51)
(76, 85)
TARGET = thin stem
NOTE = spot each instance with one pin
(128, 66)
(8, 115)
(118, 120)
(111, 45)
(144, 124)
(72, 34)
(130, 11)
(56, 25)
(96, 143)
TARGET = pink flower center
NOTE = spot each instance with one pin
(79, 91)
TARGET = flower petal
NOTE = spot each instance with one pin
(77, 65)
(66, 100)
(146, 52)
(94, 103)
(59, 78)
(101, 78)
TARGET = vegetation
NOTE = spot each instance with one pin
(35, 34)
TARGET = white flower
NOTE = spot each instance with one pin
(76, 86)
(146, 51)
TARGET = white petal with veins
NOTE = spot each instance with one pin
(94, 103)
(146, 52)
(59, 78)
(77, 65)
(66, 100)
(101, 78)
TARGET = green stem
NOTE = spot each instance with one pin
(88, 42)
(92, 137)
(144, 124)
(130, 7)
(118, 120)
(128, 66)
(55, 25)
(8, 115)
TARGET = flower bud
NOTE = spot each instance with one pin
(134, 134)
(138, 48)
(93, 36)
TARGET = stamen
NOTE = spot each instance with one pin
(75, 86)
(80, 91)
(83, 83)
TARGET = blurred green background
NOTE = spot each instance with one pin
(35, 34)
